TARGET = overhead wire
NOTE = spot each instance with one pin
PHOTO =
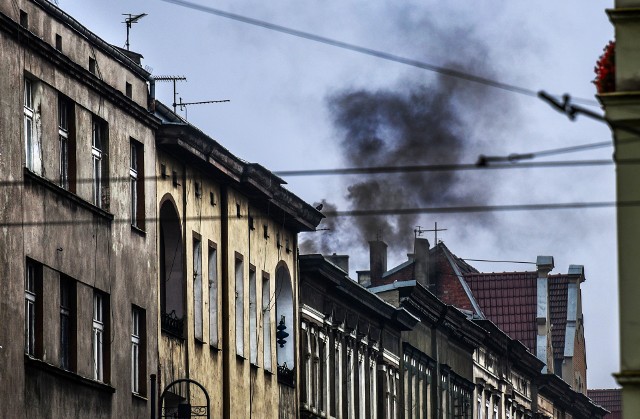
(370, 212)
(368, 51)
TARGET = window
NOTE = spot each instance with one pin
(33, 308)
(138, 351)
(239, 305)
(32, 144)
(67, 323)
(128, 89)
(66, 143)
(172, 280)
(136, 174)
(197, 288)
(253, 317)
(92, 65)
(266, 321)
(24, 19)
(213, 294)
(100, 338)
(99, 145)
(59, 42)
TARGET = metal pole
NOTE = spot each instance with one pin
(153, 396)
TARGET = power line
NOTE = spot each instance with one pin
(514, 157)
(368, 51)
(360, 213)
(446, 168)
(379, 170)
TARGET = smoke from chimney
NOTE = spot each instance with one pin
(434, 120)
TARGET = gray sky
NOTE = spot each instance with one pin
(282, 114)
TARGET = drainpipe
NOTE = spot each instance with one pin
(224, 247)
(185, 324)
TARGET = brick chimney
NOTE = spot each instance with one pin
(421, 264)
(544, 351)
(377, 261)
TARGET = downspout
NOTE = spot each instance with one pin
(226, 360)
(185, 324)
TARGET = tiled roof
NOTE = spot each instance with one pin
(509, 300)
(558, 285)
(610, 399)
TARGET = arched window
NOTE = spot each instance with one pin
(285, 325)
(171, 270)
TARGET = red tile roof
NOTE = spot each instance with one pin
(558, 286)
(509, 300)
(610, 399)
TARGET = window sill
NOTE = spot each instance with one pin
(215, 348)
(199, 340)
(30, 176)
(138, 231)
(172, 335)
(139, 397)
(69, 375)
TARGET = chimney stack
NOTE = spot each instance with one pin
(377, 261)
(341, 261)
(421, 264)
(543, 341)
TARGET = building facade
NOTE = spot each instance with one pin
(228, 278)
(77, 260)
(350, 353)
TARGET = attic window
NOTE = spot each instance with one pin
(174, 175)
(24, 19)
(251, 224)
(265, 229)
(92, 65)
(198, 189)
(128, 90)
(238, 213)
(163, 170)
(59, 42)
(212, 199)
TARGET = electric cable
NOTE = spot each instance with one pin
(367, 51)
(372, 212)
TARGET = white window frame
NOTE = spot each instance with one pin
(96, 156)
(30, 297)
(32, 145)
(213, 295)
(135, 350)
(197, 289)
(63, 135)
(133, 175)
(98, 336)
(266, 323)
(253, 317)
(239, 305)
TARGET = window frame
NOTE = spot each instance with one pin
(136, 177)
(138, 351)
(198, 312)
(68, 340)
(100, 343)
(33, 308)
(212, 274)
(239, 304)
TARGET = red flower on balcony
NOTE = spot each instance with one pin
(605, 69)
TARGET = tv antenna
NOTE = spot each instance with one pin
(419, 231)
(183, 105)
(173, 79)
(129, 21)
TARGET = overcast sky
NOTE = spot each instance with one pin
(296, 104)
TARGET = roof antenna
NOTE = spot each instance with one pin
(173, 79)
(129, 21)
(183, 105)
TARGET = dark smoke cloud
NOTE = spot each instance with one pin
(420, 122)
